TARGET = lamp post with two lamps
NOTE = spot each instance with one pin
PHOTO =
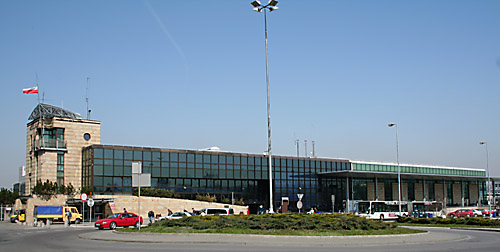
(489, 180)
(271, 6)
(399, 168)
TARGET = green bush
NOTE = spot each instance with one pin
(316, 222)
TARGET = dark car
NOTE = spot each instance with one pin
(418, 214)
(119, 220)
(461, 213)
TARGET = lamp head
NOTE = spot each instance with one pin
(256, 3)
(272, 3)
(482, 143)
(257, 9)
(273, 8)
(391, 124)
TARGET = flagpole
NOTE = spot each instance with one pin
(40, 118)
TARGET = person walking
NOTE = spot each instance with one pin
(68, 216)
(151, 215)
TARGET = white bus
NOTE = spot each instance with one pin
(382, 210)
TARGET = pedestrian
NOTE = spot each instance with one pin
(151, 215)
(68, 216)
(124, 210)
(169, 212)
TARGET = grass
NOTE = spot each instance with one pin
(278, 224)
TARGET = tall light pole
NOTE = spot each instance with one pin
(489, 180)
(399, 168)
(271, 6)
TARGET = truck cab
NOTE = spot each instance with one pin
(18, 215)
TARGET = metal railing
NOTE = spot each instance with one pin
(50, 144)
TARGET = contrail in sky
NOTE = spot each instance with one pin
(172, 40)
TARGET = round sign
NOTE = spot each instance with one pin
(90, 202)
(84, 197)
(299, 204)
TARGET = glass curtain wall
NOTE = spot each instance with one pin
(107, 170)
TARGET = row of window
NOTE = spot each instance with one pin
(417, 170)
(162, 159)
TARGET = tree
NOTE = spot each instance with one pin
(48, 189)
(8, 196)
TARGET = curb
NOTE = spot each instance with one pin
(477, 229)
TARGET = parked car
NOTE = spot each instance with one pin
(216, 211)
(418, 214)
(119, 220)
(478, 212)
(176, 215)
(461, 213)
(486, 212)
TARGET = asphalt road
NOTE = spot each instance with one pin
(77, 238)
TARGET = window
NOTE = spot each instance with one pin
(60, 168)
(86, 136)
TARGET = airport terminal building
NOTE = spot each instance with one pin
(107, 169)
(67, 148)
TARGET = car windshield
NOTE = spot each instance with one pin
(114, 216)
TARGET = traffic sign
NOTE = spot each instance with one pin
(84, 197)
(300, 195)
(90, 202)
(299, 204)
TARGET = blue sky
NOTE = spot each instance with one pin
(191, 74)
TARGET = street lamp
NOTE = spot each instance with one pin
(271, 6)
(489, 180)
(399, 168)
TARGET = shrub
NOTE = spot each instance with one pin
(317, 222)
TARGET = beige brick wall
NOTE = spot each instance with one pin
(158, 205)
(438, 191)
(457, 193)
(381, 191)
(473, 193)
(370, 186)
(46, 167)
(404, 191)
(419, 191)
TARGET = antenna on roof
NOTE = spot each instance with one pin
(87, 99)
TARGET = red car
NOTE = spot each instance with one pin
(486, 212)
(119, 220)
(462, 213)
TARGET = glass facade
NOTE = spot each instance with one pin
(418, 170)
(107, 170)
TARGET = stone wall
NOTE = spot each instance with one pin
(42, 165)
(160, 205)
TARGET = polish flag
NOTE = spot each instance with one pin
(33, 90)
